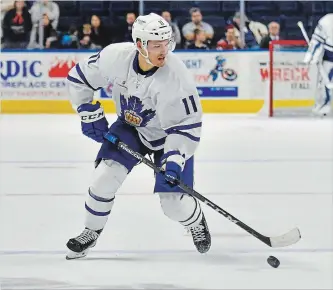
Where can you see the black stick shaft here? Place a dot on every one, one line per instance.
(189, 190)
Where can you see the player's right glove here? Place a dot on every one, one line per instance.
(172, 174)
(93, 122)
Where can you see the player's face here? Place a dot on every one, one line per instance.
(157, 51)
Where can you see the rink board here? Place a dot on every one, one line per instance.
(227, 81)
(209, 106)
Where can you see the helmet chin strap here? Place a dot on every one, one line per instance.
(146, 57)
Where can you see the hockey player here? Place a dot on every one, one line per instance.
(159, 113)
(320, 52)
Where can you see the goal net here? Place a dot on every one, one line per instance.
(292, 85)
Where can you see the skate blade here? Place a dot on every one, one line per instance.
(73, 255)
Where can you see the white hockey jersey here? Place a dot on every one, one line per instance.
(162, 105)
(321, 44)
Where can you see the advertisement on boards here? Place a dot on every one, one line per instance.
(292, 79)
(36, 75)
(106, 93)
(215, 74)
(218, 75)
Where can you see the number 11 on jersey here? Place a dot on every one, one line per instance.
(187, 108)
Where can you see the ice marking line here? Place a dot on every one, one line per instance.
(162, 252)
(119, 194)
(258, 160)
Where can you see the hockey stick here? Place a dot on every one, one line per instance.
(322, 72)
(287, 239)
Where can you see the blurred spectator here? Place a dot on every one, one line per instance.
(69, 40)
(175, 29)
(5, 6)
(196, 23)
(94, 35)
(123, 33)
(99, 36)
(85, 43)
(41, 7)
(49, 35)
(230, 42)
(274, 34)
(253, 31)
(86, 29)
(17, 26)
(199, 40)
(84, 36)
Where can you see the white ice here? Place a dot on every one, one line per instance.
(274, 174)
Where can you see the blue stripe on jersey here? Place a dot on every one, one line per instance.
(98, 213)
(327, 91)
(74, 80)
(170, 153)
(319, 38)
(327, 98)
(316, 47)
(327, 46)
(188, 135)
(101, 199)
(92, 60)
(80, 73)
(183, 127)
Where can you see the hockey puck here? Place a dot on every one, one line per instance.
(272, 261)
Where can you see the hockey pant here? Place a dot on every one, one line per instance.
(112, 168)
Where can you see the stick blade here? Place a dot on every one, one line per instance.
(287, 239)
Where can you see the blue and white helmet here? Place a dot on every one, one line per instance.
(152, 27)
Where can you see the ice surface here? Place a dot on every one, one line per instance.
(274, 174)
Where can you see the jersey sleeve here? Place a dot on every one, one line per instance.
(317, 43)
(88, 76)
(180, 114)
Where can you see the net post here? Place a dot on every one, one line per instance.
(278, 46)
(271, 61)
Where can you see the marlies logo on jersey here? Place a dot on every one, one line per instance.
(132, 118)
(132, 111)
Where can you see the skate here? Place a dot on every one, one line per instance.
(80, 245)
(321, 111)
(324, 110)
(201, 236)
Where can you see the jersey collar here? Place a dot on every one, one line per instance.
(138, 70)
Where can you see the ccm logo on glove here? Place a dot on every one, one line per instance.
(93, 122)
(95, 116)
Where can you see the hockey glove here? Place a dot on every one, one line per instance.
(172, 174)
(93, 122)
